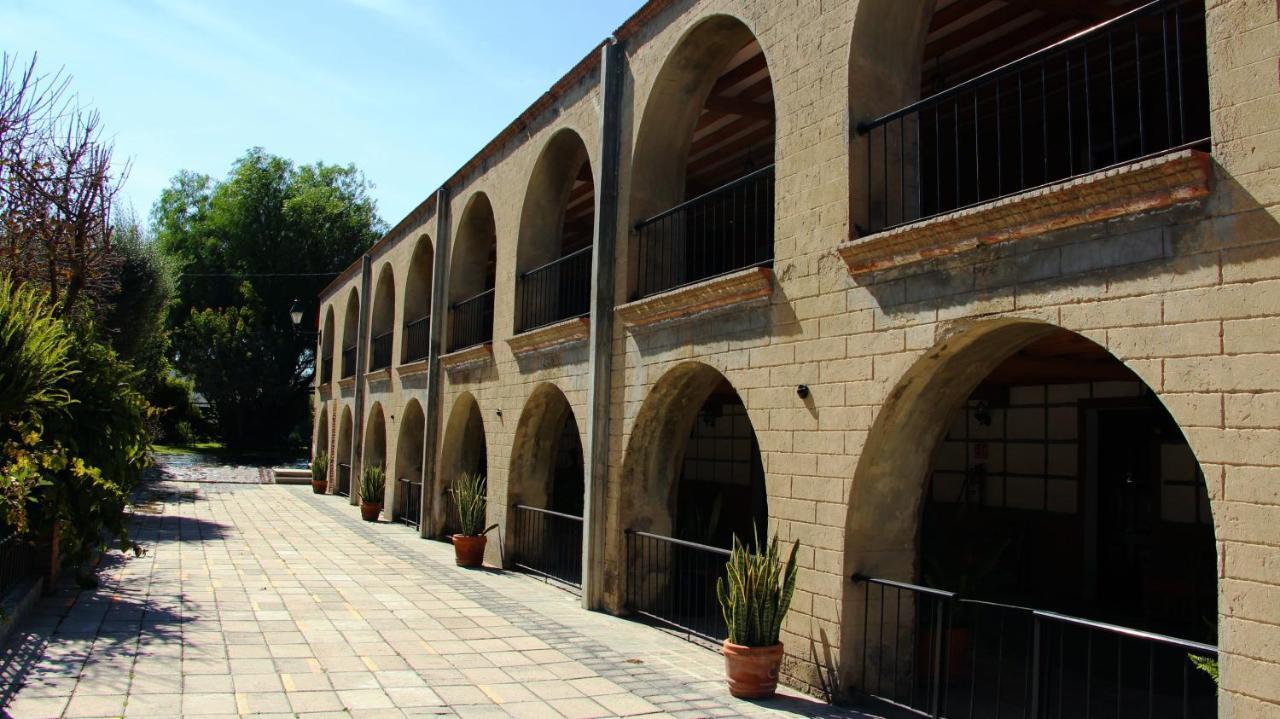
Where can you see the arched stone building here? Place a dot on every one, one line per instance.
(961, 295)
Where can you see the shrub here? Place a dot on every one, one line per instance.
(320, 467)
(469, 501)
(373, 482)
(756, 592)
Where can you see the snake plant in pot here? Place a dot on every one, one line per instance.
(373, 481)
(320, 473)
(754, 595)
(469, 501)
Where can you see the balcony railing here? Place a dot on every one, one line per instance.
(17, 560)
(349, 361)
(1132, 87)
(673, 582)
(326, 369)
(547, 543)
(471, 321)
(555, 291)
(380, 351)
(417, 336)
(344, 480)
(408, 509)
(943, 655)
(729, 228)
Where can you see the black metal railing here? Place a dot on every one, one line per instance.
(380, 351)
(943, 655)
(673, 581)
(471, 321)
(547, 543)
(417, 337)
(449, 519)
(326, 369)
(344, 480)
(555, 291)
(349, 361)
(1132, 87)
(729, 228)
(408, 509)
(17, 561)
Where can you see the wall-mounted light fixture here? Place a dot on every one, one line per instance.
(802, 391)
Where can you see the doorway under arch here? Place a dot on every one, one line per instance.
(472, 276)
(346, 429)
(546, 489)
(1025, 508)
(464, 450)
(382, 321)
(350, 334)
(327, 342)
(375, 449)
(417, 302)
(320, 442)
(693, 484)
(406, 493)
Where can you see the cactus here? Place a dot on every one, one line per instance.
(373, 481)
(469, 500)
(320, 467)
(755, 593)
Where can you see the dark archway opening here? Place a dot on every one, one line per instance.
(407, 492)
(375, 450)
(472, 275)
(326, 348)
(465, 451)
(417, 302)
(350, 334)
(382, 322)
(343, 460)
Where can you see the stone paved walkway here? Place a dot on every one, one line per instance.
(266, 600)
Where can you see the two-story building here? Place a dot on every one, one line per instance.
(976, 300)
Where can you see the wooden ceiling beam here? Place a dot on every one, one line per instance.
(996, 22)
(740, 107)
(1091, 11)
(744, 70)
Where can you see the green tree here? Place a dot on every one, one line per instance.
(248, 246)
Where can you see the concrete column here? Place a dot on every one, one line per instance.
(600, 347)
(362, 356)
(427, 524)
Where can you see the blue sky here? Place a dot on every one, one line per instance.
(407, 90)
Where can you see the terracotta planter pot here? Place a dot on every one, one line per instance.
(469, 551)
(320, 486)
(752, 671)
(369, 511)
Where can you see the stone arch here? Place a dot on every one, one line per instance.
(320, 442)
(473, 272)
(383, 319)
(343, 459)
(375, 441)
(417, 301)
(556, 220)
(350, 334)
(464, 449)
(656, 450)
(408, 467)
(327, 342)
(708, 119)
(886, 517)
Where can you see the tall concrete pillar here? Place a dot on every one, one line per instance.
(362, 356)
(427, 514)
(600, 347)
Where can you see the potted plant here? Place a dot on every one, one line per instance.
(469, 502)
(373, 480)
(320, 473)
(755, 594)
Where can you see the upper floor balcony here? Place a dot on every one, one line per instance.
(1101, 121)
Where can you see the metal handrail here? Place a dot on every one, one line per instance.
(706, 195)
(472, 298)
(550, 512)
(680, 542)
(1187, 644)
(903, 585)
(1028, 59)
(557, 260)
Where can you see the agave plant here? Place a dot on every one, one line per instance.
(469, 501)
(373, 480)
(755, 593)
(320, 467)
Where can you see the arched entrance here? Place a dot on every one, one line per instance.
(702, 182)
(375, 446)
(350, 334)
(1025, 510)
(472, 273)
(320, 442)
(464, 450)
(382, 321)
(343, 458)
(693, 482)
(407, 491)
(326, 348)
(417, 302)
(557, 223)
(546, 489)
